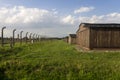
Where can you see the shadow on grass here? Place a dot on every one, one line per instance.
(2, 75)
(4, 54)
(10, 50)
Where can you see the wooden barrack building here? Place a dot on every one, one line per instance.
(72, 39)
(92, 36)
(65, 39)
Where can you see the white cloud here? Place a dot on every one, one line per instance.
(108, 18)
(55, 11)
(83, 9)
(35, 20)
(115, 14)
(20, 14)
(68, 19)
(47, 22)
(95, 19)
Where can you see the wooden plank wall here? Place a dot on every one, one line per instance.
(71, 40)
(105, 37)
(83, 38)
(65, 39)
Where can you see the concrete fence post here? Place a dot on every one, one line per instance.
(36, 38)
(2, 37)
(39, 38)
(26, 37)
(17, 37)
(30, 37)
(21, 37)
(33, 38)
(13, 40)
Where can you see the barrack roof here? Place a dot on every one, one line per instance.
(73, 35)
(100, 24)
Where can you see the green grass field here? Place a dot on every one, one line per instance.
(57, 60)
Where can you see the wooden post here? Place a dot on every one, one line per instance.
(2, 38)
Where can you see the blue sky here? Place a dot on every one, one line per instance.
(102, 6)
(48, 17)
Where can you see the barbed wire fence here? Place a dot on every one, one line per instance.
(20, 39)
